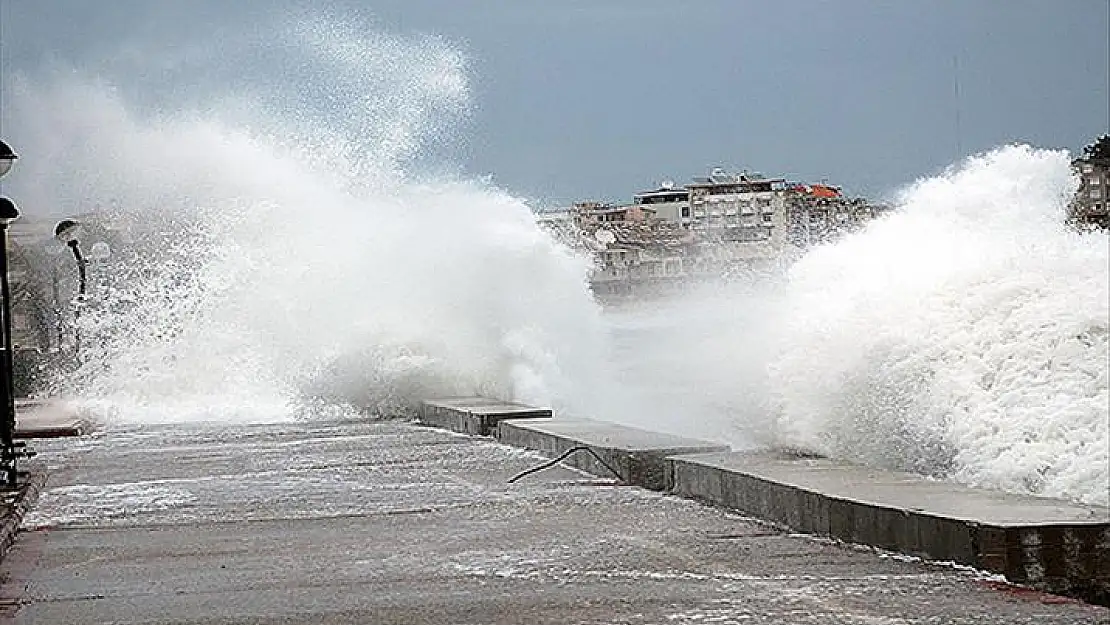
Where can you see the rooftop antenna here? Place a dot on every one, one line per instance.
(956, 92)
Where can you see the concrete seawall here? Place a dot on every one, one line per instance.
(1048, 544)
(637, 457)
(475, 415)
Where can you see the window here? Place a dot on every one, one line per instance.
(1096, 194)
(1094, 181)
(685, 211)
(768, 218)
(1088, 168)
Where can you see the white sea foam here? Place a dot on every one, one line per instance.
(270, 259)
(964, 336)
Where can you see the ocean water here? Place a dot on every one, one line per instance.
(284, 249)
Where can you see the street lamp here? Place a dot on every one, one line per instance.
(100, 251)
(67, 231)
(8, 452)
(7, 158)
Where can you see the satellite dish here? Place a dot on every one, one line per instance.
(605, 237)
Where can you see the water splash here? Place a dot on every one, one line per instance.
(279, 252)
(964, 336)
(276, 253)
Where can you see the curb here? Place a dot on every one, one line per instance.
(25, 496)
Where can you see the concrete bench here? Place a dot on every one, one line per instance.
(48, 419)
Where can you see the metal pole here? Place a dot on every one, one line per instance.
(82, 285)
(58, 315)
(7, 384)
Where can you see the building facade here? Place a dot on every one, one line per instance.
(718, 225)
(667, 202)
(1091, 206)
(817, 214)
(742, 215)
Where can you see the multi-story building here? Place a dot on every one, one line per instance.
(743, 214)
(667, 202)
(715, 226)
(1091, 205)
(632, 255)
(820, 213)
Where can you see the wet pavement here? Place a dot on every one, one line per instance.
(395, 523)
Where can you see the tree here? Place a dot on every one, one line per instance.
(1100, 149)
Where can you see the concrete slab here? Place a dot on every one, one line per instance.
(638, 456)
(1050, 544)
(387, 523)
(475, 415)
(49, 418)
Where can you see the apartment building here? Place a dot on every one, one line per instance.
(743, 214)
(667, 203)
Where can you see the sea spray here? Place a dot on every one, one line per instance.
(694, 363)
(275, 255)
(278, 251)
(964, 336)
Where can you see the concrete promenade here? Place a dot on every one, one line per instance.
(396, 523)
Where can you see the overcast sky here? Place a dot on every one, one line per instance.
(577, 99)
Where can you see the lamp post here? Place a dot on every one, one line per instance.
(7, 158)
(67, 231)
(8, 452)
